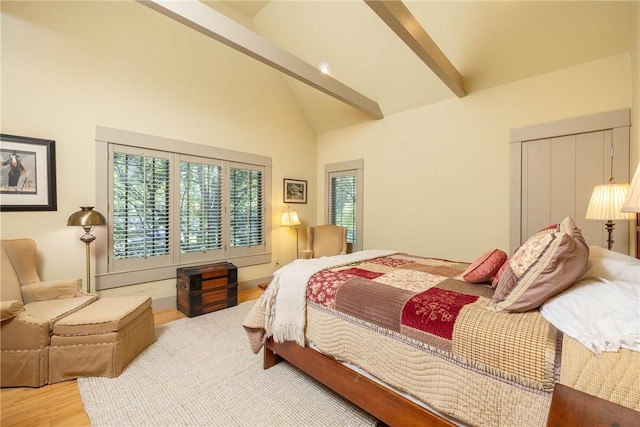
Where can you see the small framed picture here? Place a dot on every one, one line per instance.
(27, 174)
(295, 191)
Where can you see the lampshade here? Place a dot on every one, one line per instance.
(606, 202)
(86, 217)
(632, 202)
(289, 218)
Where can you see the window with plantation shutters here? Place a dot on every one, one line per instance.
(246, 207)
(141, 206)
(201, 206)
(344, 199)
(343, 204)
(167, 209)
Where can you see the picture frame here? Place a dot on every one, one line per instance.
(295, 191)
(27, 174)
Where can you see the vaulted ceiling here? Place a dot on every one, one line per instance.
(490, 43)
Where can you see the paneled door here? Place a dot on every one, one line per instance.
(555, 168)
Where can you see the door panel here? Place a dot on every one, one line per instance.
(562, 178)
(590, 172)
(537, 192)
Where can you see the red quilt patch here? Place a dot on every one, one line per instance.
(323, 285)
(435, 311)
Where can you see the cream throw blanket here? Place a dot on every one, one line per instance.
(284, 301)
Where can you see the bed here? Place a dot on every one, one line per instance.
(426, 341)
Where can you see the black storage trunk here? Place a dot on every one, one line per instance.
(206, 288)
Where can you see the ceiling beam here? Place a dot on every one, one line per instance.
(213, 24)
(396, 15)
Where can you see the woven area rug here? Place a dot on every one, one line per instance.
(201, 372)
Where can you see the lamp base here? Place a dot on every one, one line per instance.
(610, 226)
(88, 267)
(87, 237)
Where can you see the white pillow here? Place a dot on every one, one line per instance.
(612, 265)
(602, 309)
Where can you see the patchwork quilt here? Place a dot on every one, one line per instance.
(414, 323)
(424, 303)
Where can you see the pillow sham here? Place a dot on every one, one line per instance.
(550, 229)
(485, 266)
(545, 265)
(612, 265)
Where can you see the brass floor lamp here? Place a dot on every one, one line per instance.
(87, 218)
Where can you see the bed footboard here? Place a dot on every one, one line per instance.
(384, 404)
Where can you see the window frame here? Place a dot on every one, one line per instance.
(351, 168)
(106, 276)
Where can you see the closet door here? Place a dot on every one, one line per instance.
(555, 167)
(559, 175)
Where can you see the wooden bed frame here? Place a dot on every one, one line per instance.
(384, 404)
(568, 406)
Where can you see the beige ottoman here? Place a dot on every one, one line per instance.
(100, 339)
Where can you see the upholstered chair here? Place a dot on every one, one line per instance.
(29, 308)
(326, 240)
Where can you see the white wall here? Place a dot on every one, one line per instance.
(437, 177)
(68, 67)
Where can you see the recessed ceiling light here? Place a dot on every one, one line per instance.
(324, 67)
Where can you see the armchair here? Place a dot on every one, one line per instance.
(29, 307)
(326, 240)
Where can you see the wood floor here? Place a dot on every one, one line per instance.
(60, 405)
